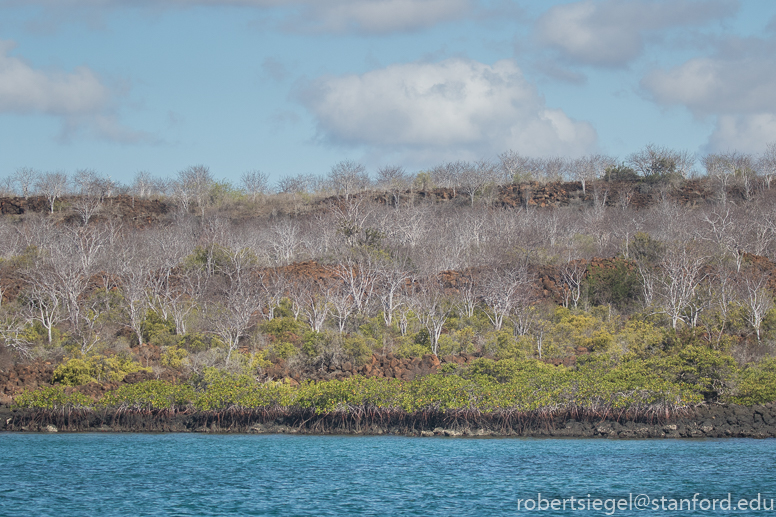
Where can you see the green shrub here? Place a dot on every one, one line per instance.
(411, 346)
(284, 329)
(359, 349)
(756, 384)
(83, 370)
(282, 350)
(504, 345)
(619, 285)
(74, 372)
(173, 357)
(157, 330)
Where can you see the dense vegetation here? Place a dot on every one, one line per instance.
(640, 286)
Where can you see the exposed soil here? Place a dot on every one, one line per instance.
(637, 195)
(140, 212)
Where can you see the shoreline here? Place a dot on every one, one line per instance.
(706, 421)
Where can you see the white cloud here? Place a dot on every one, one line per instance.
(363, 16)
(78, 98)
(382, 16)
(745, 133)
(612, 32)
(717, 85)
(26, 90)
(452, 108)
(737, 86)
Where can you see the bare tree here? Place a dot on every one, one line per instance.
(515, 168)
(660, 163)
(359, 272)
(757, 298)
(348, 177)
(681, 271)
(473, 178)
(274, 285)
(255, 183)
(239, 298)
(13, 333)
(391, 279)
(44, 297)
(724, 232)
(52, 185)
(553, 169)
(134, 267)
(143, 185)
(572, 273)
(727, 168)
(284, 241)
(589, 168)
(26, 179)
(342, 305)
(724, 300)
(448, 175)
(395, 180)
(172, 287)
(468, 294)
(313, 300)
(766, 164)
(501, 290)
(193, 185)
(432, 308)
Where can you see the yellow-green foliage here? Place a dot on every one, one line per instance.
(359, 348)
(149, 395)
(74, 372)
(225, 390)
(282, 350)
(83, 370)
(638, 338)
(577, 329)
(457, 341)
(757, 384)
(173, 357)
(485, 386)
(411, 346)
(703, 369)
(284, 329)
(51, 398)
(158, 331)
(504, 345)
(250, 364)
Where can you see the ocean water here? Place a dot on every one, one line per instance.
(191, 474)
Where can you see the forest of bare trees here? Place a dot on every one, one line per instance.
(431, 262)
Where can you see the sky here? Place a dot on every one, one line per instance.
(292, 87)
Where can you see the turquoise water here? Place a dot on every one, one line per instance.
(185, 474)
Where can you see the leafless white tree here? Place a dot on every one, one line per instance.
(394, 180)
(52, 185)
(677, 280)
(348, 177)
(25, 179)
(757, 298)
(572, 274)
(432, 308)
(255, 183)
(502, 290)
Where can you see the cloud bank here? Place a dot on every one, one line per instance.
(611, 33)
(737, 86)
(26, 90)
(336, 16)
(79, 99)
(454, 108)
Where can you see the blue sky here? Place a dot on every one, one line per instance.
(294, 86)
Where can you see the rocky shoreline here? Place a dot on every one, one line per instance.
(707, 421)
